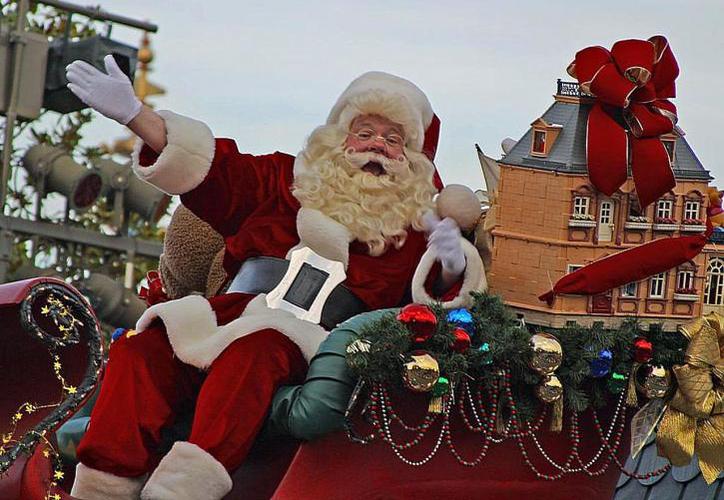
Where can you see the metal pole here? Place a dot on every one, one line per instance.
(99, 14)
(7, 239)
(12, 112)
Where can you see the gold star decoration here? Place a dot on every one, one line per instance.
(29, 408)
(61, 315)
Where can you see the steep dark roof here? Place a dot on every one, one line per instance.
(568, 154)
(680, 483)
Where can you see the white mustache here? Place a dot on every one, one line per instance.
(397, 166)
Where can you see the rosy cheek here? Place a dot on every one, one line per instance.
(353, 143)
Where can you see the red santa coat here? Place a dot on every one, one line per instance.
(248, 200)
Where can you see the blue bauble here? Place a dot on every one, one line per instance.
(117, 333)
(602, 365)
(463, 319)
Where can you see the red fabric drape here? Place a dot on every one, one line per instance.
(630, 265)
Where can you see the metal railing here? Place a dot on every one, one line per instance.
(571, 89)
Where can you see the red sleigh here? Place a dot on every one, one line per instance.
(51, 354)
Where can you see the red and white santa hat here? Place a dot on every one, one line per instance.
(394, 98)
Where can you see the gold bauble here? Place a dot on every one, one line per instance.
(550, 389)
(547, 353)
(421, 373)
(654, 382)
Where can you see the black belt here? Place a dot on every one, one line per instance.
(262, 274)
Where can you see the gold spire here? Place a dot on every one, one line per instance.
(142, 86)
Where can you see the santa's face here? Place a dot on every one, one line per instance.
(375, 144)
(377, 204)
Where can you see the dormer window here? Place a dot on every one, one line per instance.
(670, 145)
(539, 141)
(544, 135)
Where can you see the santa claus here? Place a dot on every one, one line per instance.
(310, 241)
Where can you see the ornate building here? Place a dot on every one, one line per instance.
(549, 220)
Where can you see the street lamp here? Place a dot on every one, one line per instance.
(112, 302)
(53, 170)
(129, 193)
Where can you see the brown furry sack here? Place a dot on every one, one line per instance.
(192, 256)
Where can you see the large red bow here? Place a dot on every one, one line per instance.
(155, 293)
(631, 83)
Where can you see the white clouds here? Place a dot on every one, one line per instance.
(266, 73)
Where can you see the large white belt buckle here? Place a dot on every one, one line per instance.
(307, 284)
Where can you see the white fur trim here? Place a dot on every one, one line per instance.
(198, 340)
(388, 95)
(185, 161)
(324, 235)
(92, 484)
(187, 473)
(473, 278)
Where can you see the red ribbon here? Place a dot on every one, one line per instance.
(632, 83)
(630, 265)
(155, 293)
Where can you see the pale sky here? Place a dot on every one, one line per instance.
(267, 73)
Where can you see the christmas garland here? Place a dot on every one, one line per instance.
(426, 348)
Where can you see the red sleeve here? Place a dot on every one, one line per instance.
(449, 294)
(232, 188)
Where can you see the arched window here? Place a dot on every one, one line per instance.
(714, 294)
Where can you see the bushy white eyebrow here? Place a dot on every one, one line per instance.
(393, 129)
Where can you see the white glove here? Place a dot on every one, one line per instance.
(110, 94)
(444, 240)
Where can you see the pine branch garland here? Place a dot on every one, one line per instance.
(508, 346)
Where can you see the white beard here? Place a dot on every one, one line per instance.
(377, 210)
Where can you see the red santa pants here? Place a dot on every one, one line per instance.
(145, 386)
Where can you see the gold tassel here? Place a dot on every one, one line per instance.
(557, 416)
(500, 421)
(435, 405)
(631, 396)
(499, 418)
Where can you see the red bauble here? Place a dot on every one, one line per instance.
(462, 340)
(155, 293)
(420, 320)
(642, 350)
